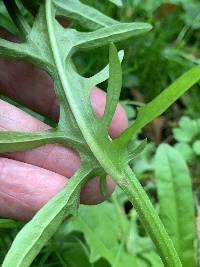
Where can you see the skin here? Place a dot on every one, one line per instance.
(29, 179)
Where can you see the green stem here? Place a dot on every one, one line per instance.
(101, 149)
(149, 218)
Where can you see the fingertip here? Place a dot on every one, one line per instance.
(91, 193)
(119, 121)
(26, 188)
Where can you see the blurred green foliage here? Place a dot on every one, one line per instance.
(151, 63)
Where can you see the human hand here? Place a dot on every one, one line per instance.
(29, 179)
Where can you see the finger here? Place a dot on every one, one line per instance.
(119, 121)
(91, 193)
(21, 87)
(56, 158)
(43, 100)
(18, 80)
(98, 101)
(25, 188)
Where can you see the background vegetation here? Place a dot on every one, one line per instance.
(151, 63)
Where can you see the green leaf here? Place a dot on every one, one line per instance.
(104, 243)
(129, 108)
(152, 259)
(103, 75)
(186, 151)
(196, 147)
(101, 242)
(160, 103)
(187, 130)
(5, 20)
(176, 202)
(117, 2)
(135, 151)
(19, 141)
(144, 163)
(18, 18)
(51, 47)
(39, 230)
(113, 33)
(86, 15)
(10, 50)
(7, 223)
(130, 184)
(114, 86)
(75, 252)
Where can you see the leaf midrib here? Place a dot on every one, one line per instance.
(175, 189)
(86, 130)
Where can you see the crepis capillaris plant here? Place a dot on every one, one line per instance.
(50, 47)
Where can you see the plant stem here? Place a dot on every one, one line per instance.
(149, 218)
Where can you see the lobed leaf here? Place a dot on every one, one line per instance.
(39, 230)
(134, 151)
(86, 15)
(50, 46)
(19, 141)
(113, 33)
(114, 86)
(103, 75)
(11, 50)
